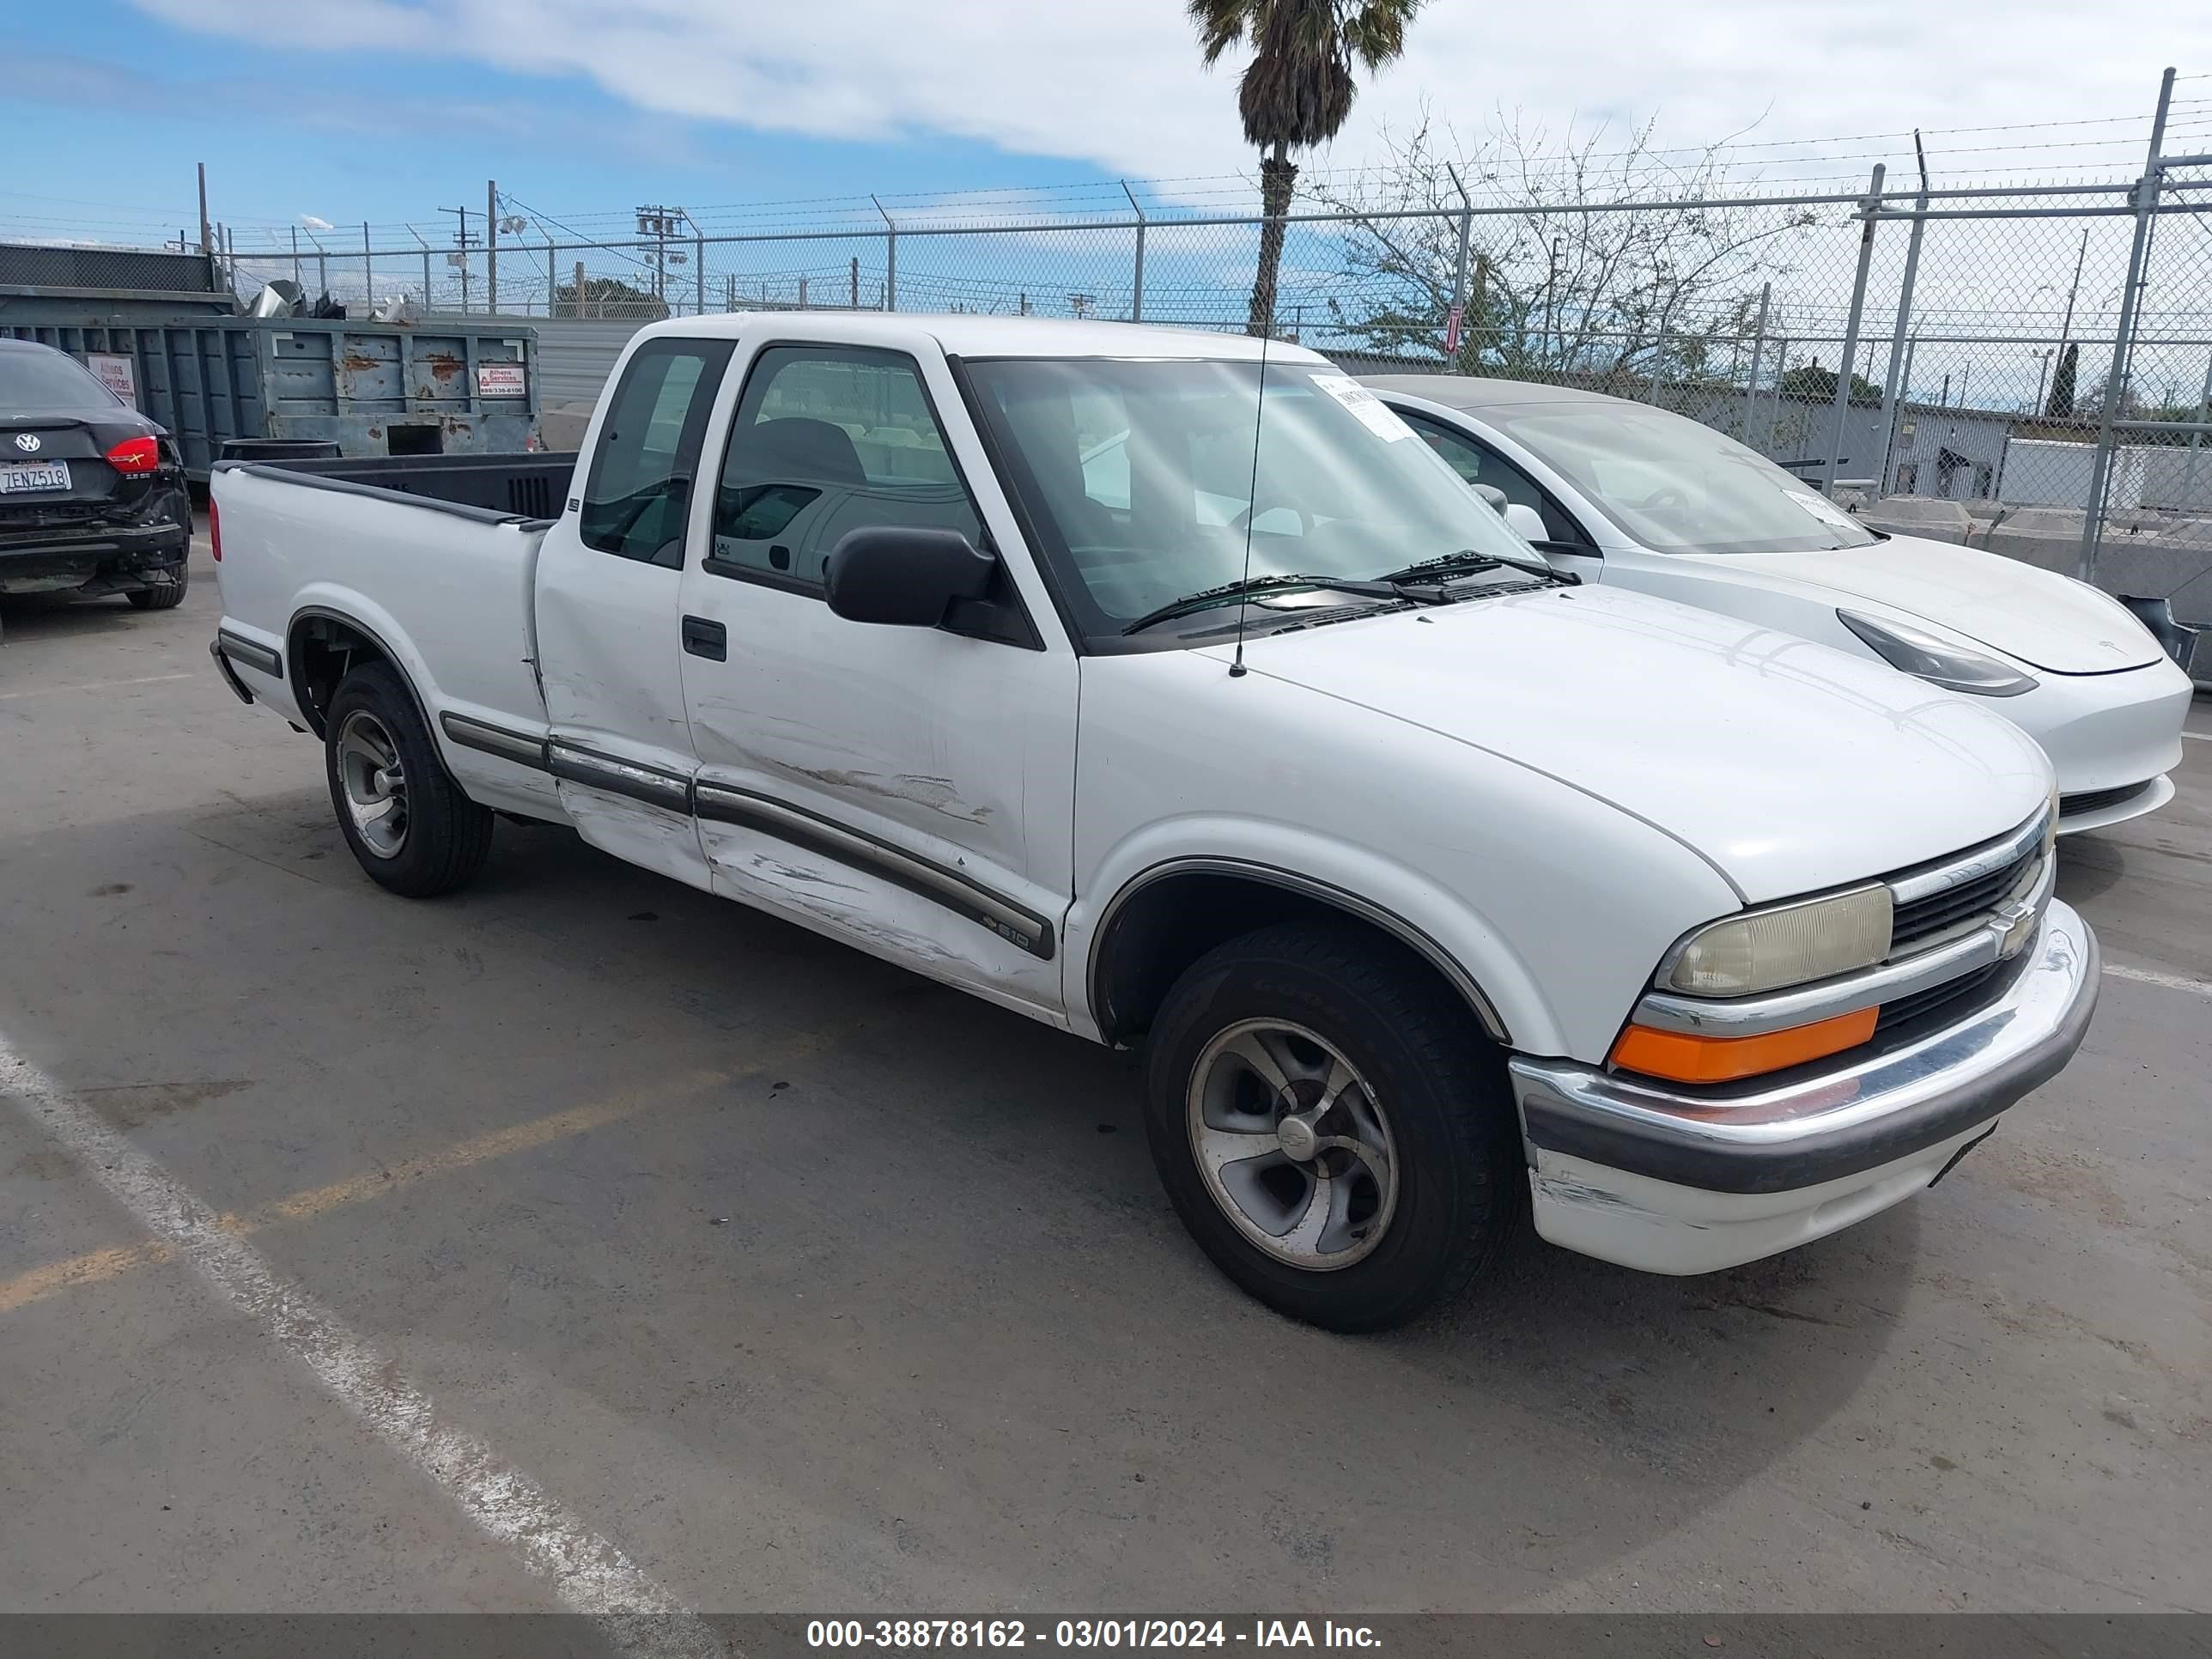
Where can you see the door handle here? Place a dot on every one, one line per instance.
(706, 639)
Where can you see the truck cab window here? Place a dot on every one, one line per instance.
(828, 440)
(639, 490)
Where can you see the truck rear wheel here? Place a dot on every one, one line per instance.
(404, 817)
(1330, 1129)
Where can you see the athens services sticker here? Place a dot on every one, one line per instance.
(1369, 410)
(501, 380)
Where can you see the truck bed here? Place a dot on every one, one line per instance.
(445, 586)
(528, 486)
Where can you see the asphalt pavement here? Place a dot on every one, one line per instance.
(584, 1237)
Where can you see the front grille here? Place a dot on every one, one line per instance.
(1924, 919)
(1902, 1011)
(2096, 801)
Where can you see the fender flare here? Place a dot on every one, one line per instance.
(294, 657)
(1329, 893)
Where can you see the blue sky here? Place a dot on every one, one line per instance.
(386, 110)
(386, 137)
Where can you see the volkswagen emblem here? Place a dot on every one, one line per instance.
(27, 442)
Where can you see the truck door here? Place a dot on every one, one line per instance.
(907, 789)
(608, 644)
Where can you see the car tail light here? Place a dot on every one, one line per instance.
(214, 531)
(135, 455)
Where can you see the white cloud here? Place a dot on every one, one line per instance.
(1120, 87)
(309, 221)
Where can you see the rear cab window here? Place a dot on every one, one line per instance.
(828, 440)
(639, 493)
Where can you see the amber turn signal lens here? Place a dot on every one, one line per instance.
(1684, 1059)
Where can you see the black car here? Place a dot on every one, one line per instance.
(93, 498)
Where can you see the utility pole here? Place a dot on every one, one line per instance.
(491, 246)
(2066, 328)
(660, 224)
(461, 258)
(204, 248)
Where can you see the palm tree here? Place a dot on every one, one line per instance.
(1296, 92)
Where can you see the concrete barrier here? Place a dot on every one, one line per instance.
(1918, 515)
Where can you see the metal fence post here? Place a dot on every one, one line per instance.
(1889, 381)
(2195, 438)
(1870, 211)
(2100, 467)
(552, 279)
(1137, 289)
(1457, 319)
(1758, 350)
(890, 258)
(295, 256)
(417, 236)
(1774, 402)
(367, 269)
(699, 269)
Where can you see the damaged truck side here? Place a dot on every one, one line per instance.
(1161, 687)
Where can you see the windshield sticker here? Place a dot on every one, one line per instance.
(1823, 509)
(1369, 410)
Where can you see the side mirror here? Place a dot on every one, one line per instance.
(1525, 521)
(1492, 496)
(903, 576)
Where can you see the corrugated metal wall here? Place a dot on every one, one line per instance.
(575, 355)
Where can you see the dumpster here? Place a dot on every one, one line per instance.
(370, 388)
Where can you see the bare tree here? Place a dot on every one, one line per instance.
(1566, 281)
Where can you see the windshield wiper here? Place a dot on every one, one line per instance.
(1380, 589)
(1465, 563)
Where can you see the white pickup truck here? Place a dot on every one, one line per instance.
(1171, 692)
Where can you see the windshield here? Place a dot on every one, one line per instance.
(1677, 487)
(1141, 477)
(46, 382)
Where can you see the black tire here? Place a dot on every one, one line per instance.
(445, 836)
(1436, 1082)
(170, 593)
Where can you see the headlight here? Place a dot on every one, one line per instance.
(1789, 945)
(1940, 661)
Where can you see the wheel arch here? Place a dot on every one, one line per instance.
(321, 644)
(1168, 916)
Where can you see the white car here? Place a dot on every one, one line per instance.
(1636, 497)
(959, 639)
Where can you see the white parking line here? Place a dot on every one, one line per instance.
(2199, 737)
(587, 1573)
(94, 685)
(2171, 982)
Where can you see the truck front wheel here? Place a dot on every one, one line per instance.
(407, 821)
(1330, 1126)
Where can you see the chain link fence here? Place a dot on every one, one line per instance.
(2026, 368)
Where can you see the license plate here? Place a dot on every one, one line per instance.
(42, 474)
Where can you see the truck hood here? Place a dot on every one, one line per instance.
(1789, 766)
(2046, 620)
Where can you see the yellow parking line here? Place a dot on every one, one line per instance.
(100, 1265)
(42, 1282)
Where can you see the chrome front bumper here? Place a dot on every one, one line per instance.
(1819, 1130)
